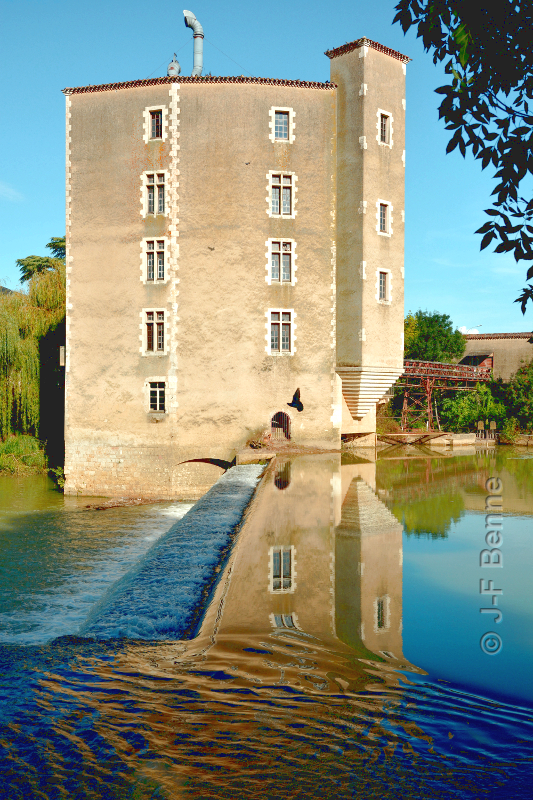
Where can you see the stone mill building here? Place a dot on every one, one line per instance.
(229, 241)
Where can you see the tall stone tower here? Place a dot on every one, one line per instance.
(227, 273)
(370, 82)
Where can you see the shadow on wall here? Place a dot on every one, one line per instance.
(52, 396)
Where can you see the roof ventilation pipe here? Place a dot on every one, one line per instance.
(173, 69)
(198, 33)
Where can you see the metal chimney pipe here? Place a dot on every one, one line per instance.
(198, 33)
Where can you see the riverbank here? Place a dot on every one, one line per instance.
(22, 454)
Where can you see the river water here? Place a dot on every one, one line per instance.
(353, 647)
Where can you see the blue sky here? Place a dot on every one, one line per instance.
(50, 44)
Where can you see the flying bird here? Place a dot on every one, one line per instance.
(296, 402)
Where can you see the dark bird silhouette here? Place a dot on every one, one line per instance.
(296, 402)
(210, 248)
(217, 462)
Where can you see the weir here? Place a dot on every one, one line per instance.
(166, 594)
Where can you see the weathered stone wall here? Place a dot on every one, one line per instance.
(509, 354)
(222, 386)
(370, 172)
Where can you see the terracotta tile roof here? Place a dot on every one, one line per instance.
(109, 87)
(364, 42)
(498, 335)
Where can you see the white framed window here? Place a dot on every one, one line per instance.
(153, 193)
(282, 571)
(281, 124)
(384, 128)
(154, 260)
(384, 286)
(281, 331)
(154, 335)
(155, 123)
(281, 261)
(281, 194)
(384, 217)
(156, 395)
(285, 621)
(382, 614)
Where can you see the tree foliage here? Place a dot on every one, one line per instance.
(465, 409)
(36, 265)
(486, 50)
(25, 318)
(519, 397)
(57, 245)
(431, 337)
(409, 331)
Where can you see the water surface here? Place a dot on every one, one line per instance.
(339, 657)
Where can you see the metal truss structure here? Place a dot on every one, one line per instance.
(421, 378)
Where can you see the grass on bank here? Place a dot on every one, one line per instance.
(21, 453)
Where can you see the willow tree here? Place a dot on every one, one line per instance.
(25, 317)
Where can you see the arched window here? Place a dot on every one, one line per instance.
(281, 426)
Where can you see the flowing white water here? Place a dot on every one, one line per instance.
(66, 561)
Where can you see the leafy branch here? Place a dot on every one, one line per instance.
(486, 50)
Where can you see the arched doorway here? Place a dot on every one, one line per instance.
(281, 426)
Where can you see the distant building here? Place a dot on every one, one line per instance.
(229, 241)
(504, 353)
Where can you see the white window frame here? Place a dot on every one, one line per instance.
(380, 203)
(292, 588)
(144, 336)
(144, 192)
(144, 260)
(281, 311)
(381, 112)
(294, 188)
(385, 599)
(294, 256)
(147, 123)
(272, 123)
(295, 623)
(388, 299)
(147, 382)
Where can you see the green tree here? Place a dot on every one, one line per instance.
(487, 54)
(462, 412)
(25, 319)
(431, 337)
(519, 397)
(58, 247)
(35, 265)
(409, 330)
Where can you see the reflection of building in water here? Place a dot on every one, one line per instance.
(280, 647)
(282, 477)
(368, 572)
(323, 556)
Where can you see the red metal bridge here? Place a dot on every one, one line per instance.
(420, 378)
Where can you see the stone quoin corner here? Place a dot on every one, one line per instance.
(229, 241)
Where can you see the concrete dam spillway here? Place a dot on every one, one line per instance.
(160, 598)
